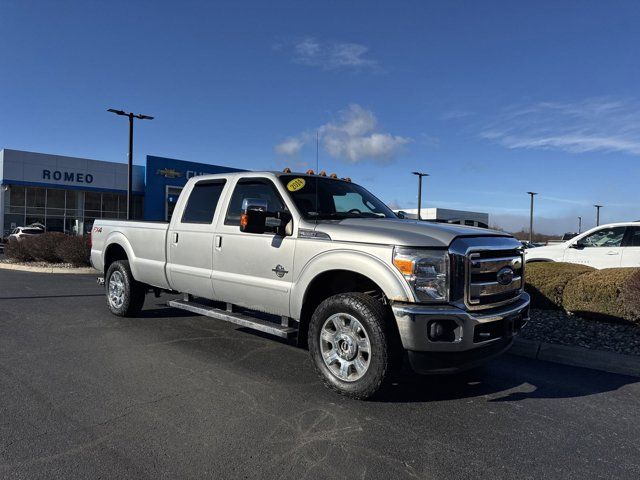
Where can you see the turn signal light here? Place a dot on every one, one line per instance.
(405, 266)
(244, 220)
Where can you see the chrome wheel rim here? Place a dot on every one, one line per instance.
(116, 289)
(345, 347)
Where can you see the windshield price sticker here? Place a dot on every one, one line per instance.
(296, 184)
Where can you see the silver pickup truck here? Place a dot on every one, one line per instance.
(322, 260)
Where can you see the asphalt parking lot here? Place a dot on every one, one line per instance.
(84, 394)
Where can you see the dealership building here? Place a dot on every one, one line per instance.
(66, 194)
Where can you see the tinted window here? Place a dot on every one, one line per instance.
(634, 237)
(607, 237)
(32, 231)
(202, 202)
(254, 188)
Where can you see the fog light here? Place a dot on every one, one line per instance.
(442, 331)
(436, 330)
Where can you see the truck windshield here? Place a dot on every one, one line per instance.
(325, 198)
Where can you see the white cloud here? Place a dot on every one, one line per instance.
(331, 55)
(290, 147)
(353, 137)
(592, 125)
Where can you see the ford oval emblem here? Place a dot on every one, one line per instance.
(505, 276)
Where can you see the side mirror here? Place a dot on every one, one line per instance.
(401, 214)
(253, 218)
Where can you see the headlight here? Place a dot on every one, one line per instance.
(426, 271)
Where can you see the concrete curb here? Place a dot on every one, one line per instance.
(28, 268)
(611, 362)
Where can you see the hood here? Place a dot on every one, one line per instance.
(397, 231)
(543, 252)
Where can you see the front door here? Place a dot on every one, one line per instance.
(190, 243)
(253, 270)
(600, 249)
(631, 248)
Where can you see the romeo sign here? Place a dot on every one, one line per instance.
(75, 177)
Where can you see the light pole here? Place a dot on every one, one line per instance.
(579, 224)
(531, 217)
(130, 163)
(420, 175)
(598, 207)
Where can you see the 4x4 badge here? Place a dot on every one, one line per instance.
(280, 271)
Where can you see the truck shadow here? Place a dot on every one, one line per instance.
(506, 379)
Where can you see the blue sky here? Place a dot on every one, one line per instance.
(491, 98)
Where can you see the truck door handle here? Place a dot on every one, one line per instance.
(175, 237)
(218, 241)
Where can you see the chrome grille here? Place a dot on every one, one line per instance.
(494, 277)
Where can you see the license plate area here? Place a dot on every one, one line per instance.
(505, 328)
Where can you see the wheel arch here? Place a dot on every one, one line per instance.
(118, 248)
(334, 272)
(539, 260)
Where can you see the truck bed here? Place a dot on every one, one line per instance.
(145, 245)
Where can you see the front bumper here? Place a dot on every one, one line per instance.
(477, 336)
(482, 332)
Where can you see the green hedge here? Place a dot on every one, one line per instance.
(612, 293)
(546, 282)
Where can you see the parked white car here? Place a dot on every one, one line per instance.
(606, 246)
(21, 232)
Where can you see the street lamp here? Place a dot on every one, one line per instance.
(598, 207)
(130, 163)
(579, 224)
(531, 217)
(420, 175)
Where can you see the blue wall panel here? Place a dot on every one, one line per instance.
(161, 172)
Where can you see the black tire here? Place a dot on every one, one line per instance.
(131, 300)
(373, 317)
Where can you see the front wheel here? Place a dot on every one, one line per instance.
(125, 296)
(349, 344)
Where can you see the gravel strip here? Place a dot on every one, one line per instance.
(37, 264)
(555, 326)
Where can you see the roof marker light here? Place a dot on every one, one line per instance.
(333, 175)
(310, 172)
(323, 173)
(286, 170)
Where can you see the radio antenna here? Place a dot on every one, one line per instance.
(317, 172)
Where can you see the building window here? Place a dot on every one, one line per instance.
(59, 210)
(92, 204)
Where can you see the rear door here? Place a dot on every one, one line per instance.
(190, 241)
(253, 270)
(631, 248)
(600, 249)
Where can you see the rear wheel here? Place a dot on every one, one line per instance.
(125, 296)
(349, 344)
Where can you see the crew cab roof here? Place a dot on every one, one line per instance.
(264, 173)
